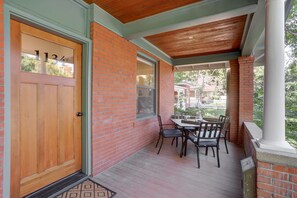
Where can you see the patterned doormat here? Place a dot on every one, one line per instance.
(87, 189)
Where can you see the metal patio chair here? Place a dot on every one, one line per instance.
(168, 133)
(208, 136)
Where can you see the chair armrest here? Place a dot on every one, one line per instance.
(211, 119)
(167, 126)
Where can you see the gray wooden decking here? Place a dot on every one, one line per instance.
(146, 174)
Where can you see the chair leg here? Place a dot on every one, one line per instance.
(172, 141)
(160, 146)
(213, 153)
(198, 161)
(206, 151)
(158, 141)
(186, 147)
(182, 150)
(218, 157)
(225, 139)
(176, 143)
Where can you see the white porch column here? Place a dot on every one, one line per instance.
(274, 80)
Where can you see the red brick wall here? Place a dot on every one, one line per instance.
(115, 132)
(272, 179)
(1, 96)
(233, 100)
(276, 180)
(246, 93)
(166, 91)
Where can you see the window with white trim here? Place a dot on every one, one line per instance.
(146, 87)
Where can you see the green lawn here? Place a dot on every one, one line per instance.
(291, 131)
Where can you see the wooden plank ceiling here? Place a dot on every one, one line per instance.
(216, 37)
(212, 38)
(131, 10)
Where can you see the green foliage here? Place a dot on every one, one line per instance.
(291, 31)
(30, 64)
(219, 76)
(205, 112)
(258, 95)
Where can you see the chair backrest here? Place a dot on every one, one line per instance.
(210, 131)
(222, 118)
(226, 121)
(160, 123)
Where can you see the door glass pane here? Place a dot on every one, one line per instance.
(44, 57)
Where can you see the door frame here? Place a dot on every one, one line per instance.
(14, 13)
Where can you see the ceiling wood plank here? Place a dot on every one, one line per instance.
(187, 16)
(212, 38)
(131, 10)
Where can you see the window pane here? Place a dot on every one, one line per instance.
(30, 63)
(145, 101)
(146, 88)
(44, 57)
(145, 73)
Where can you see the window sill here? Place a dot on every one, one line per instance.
(140, 118)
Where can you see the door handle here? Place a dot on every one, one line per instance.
(79, 114)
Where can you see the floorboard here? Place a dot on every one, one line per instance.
(146, 174)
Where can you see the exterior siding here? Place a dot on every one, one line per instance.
(116, 133)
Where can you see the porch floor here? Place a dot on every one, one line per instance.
(146, 174)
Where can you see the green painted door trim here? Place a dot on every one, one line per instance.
(14, 13)
(71, 15)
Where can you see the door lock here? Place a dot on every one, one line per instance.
(79, 114)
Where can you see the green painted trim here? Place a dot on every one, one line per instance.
(7, 105)
(207, 58)
(144, 44)
(87, 109)
(53, 12)
(34, 21)
(256, 37)
(187, 16)
(102, 17)
(147, 57)
(255, 30)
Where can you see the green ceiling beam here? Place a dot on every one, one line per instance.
(256, 28)
(144, 44)
(105, 19)
(207, 58)
(255, 36)
(187, 16)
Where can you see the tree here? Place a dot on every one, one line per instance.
(291, 32)
(258, 95)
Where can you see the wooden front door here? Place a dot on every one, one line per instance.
(46, 96)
